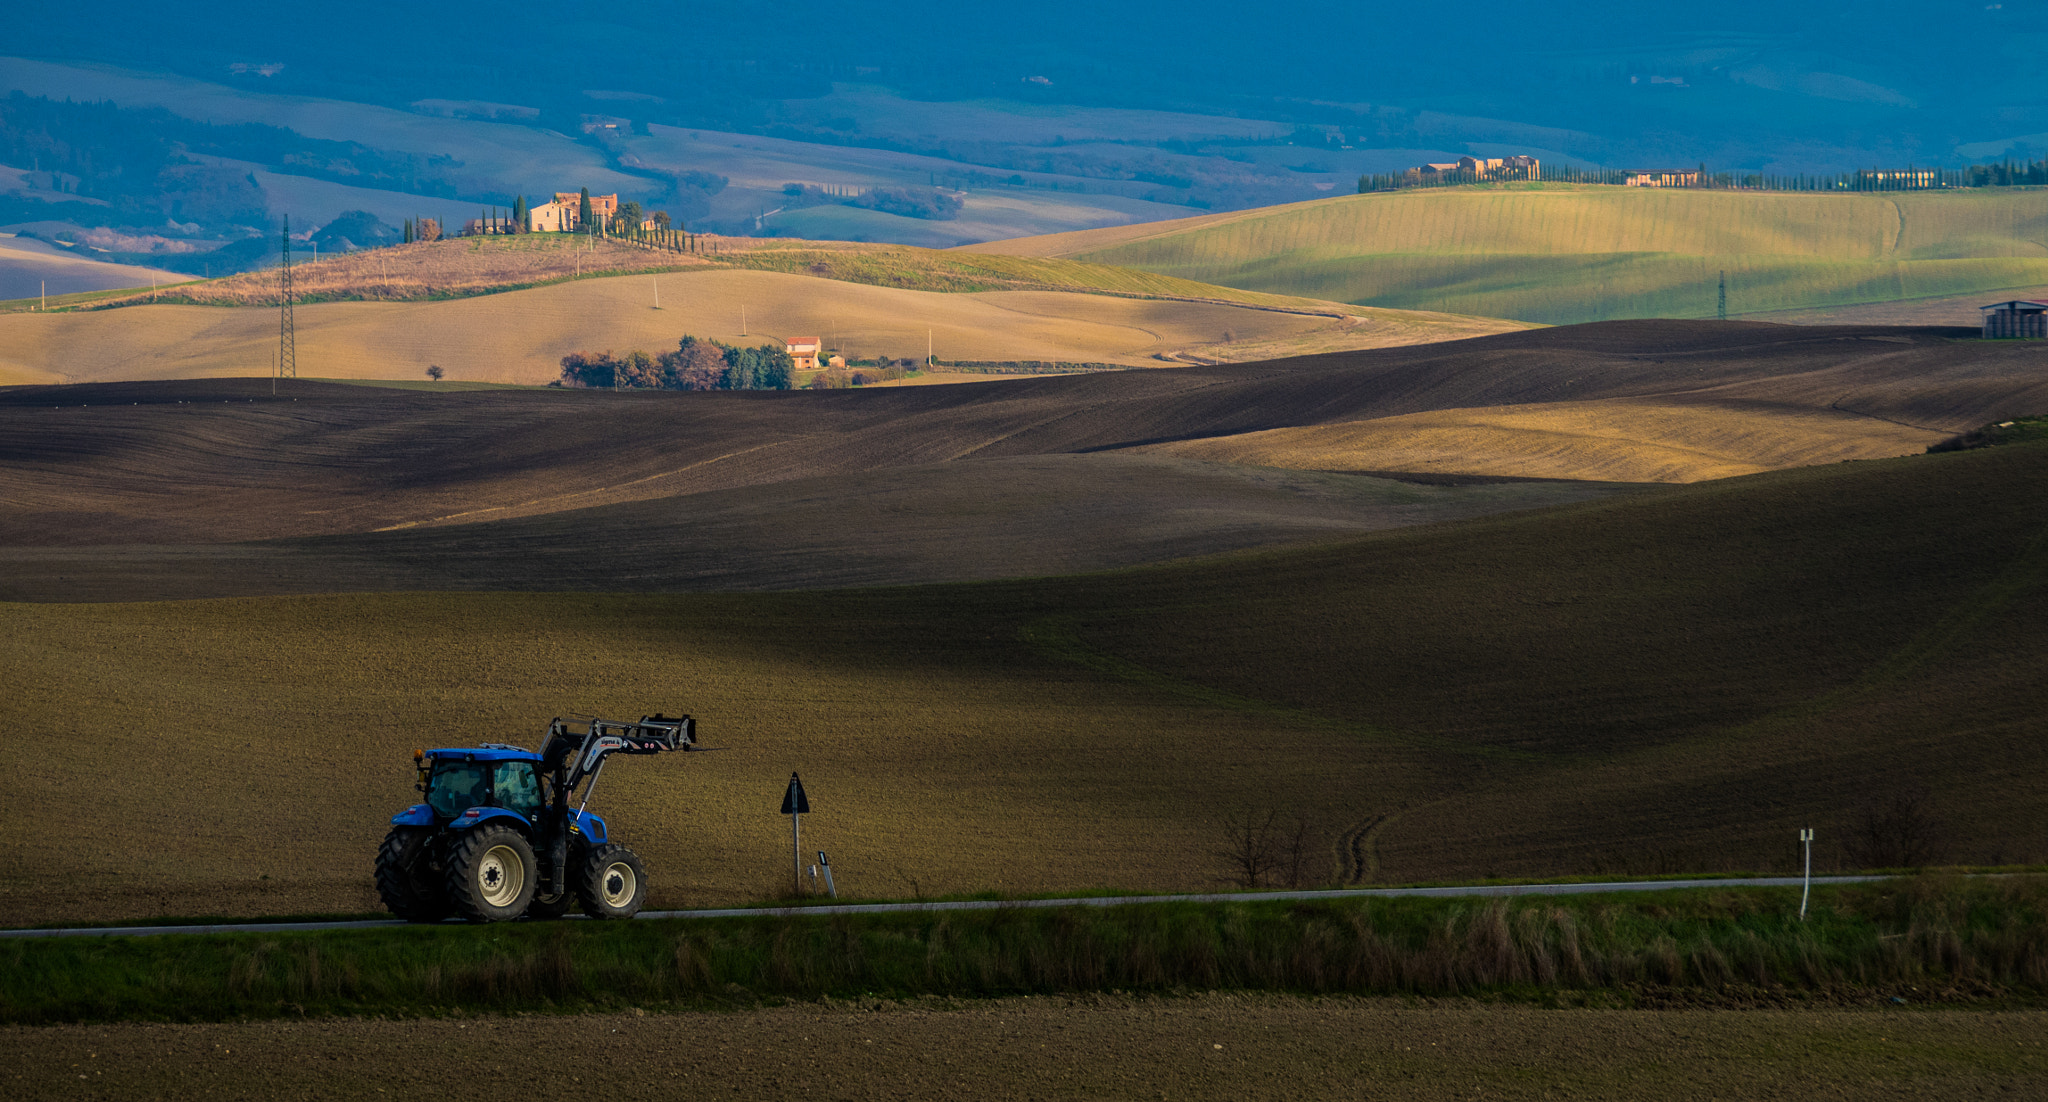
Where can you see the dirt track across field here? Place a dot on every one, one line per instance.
(1203, 1046)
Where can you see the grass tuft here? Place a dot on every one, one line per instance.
(1930, 938)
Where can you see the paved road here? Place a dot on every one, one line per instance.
(995, 904)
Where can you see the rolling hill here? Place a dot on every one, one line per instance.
(1634, 679)
(521, 336)
(506, 309)
(1558, 253)
(1660, 682)
(224, 460)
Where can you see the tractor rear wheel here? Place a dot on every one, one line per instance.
(409, 886)
(613, 884)
(491, 874)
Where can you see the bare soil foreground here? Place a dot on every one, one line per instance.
(1214, 1046)
(1670, 681)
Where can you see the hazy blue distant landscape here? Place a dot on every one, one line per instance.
(1032, 118)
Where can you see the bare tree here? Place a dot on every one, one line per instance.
(434, 372)
(1250, 847)
(1898, 831)
(1295, 846)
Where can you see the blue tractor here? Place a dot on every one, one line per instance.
(503, 833)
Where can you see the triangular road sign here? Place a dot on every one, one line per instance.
(793, 801)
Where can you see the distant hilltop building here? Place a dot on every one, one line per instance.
(1897, 180)
(2018, 318)
(565, 213)
(804, 350)
(602, 207)
(551, 218)
(1480, 168)
(1680, 177)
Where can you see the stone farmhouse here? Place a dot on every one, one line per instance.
(565, 213)
(1482, 168)
(804, 350)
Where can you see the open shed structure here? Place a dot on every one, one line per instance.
(2018, 318)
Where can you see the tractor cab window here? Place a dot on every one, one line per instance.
(457, 786)
(518, 787)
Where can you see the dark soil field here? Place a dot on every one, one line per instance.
(1094, 652)
(1673, 679)
(1035, 476)
(1214, 1046)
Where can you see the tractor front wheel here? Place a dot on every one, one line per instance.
(613, 884)
(409, 887)
(490, 874)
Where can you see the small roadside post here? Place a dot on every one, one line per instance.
(1806, 888)
(825, 863)
(794, 804)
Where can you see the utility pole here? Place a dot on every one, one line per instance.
(1806, 840)
(743, 321)
(287, 338)
(1724, 296)
(657, 291)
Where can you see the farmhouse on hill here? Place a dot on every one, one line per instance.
(550, 218)
(1683, 177)
(804, 350)
(1519, 167)
(602, 207)
(2018, 318)
(566, 212)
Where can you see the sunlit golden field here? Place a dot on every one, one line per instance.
(521, 336)
(1561, 253)
(1618, 440)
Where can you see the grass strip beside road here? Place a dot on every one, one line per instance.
(1932, 938)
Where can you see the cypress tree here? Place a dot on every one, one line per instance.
(583, 210)
(520, 215)
(408, 231)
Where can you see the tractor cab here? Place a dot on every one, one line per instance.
(457, 780)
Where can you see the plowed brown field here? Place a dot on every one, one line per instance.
(1215, 1047)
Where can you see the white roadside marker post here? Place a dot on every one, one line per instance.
(825, 863)
(1806, 888)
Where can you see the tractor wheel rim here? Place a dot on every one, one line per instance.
(500, 876)
(617, 884)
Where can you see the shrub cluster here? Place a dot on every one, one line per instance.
(696, 364)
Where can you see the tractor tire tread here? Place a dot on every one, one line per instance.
(590, 887)
(462, 890)
(405, 894)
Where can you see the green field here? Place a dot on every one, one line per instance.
(1558, 253)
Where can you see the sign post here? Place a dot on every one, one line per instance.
(794, 804)
(1806, 840)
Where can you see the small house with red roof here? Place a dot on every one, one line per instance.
(804, 350)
